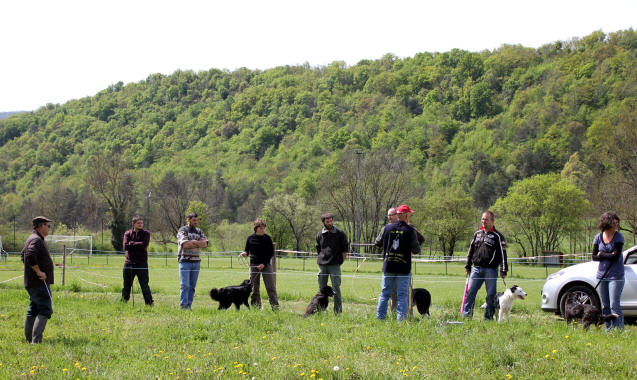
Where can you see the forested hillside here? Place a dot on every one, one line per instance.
(458, 124)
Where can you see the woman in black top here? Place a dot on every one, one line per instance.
(261, 250)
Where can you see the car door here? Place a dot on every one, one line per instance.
(629, 295)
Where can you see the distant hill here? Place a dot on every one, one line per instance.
(4, 115)
(476, 121)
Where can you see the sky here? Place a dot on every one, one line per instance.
(52, 51)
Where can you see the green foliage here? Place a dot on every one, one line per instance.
(540, 210)
(231, 140)
(447, 215)
(201, 210)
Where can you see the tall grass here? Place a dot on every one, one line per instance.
(93, 335)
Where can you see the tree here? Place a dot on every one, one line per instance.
(292, 211)
(384, 181)
(109, 175)
(448, 216)
(538, 211)
(173, 195)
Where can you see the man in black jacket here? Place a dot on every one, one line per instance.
(487, 252)
(399, 241)
(332, 247)
(38, 276)
(136, 242)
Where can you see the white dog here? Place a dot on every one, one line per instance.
(504, 301)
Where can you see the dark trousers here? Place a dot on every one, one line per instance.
(270, 285)
(40, 302)
(141, 271)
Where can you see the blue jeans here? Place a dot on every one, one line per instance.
(401, 281)
(611, 293)
(490, 278)
(334, 272)
(188, 275)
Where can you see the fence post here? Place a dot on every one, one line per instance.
(511, 268)
(107, 259)
(303, 263)
(230, 261)
(166, 258)
(208, 254)
(63, 263)
(446, 273)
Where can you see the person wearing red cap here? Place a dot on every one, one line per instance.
(38, 276)
(399, 241)
(487, 252)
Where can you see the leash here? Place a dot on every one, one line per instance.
(354, 275)
(48, 292)
(464, 296)
(505, 283)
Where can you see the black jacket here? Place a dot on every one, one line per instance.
(35, 252)
(330, 246)
(400, 240)
(260, 249)
(487, 250)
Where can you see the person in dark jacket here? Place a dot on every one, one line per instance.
(332, 247)
(38, 277)
(136, 242)
(399, 241)
(261, 250)
(487, 252)
(607, 249)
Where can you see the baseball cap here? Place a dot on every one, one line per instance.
(404, 209)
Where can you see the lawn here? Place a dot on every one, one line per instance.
(93, 335)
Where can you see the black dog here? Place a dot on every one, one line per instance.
(320, 301)
(586, 314)
(229, 295)
(422, 299)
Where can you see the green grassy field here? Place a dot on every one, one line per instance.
(93, 335)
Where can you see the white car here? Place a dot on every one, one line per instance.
(581, 279)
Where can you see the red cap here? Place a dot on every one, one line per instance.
(404, 209)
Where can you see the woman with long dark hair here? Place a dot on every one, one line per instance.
(607, 249)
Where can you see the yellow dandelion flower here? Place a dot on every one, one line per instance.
(155, 355)
(302, 374)
(263, 337)
(589, 344)
(414, 368)
(188, 369)
(369, 348)
(161, 351)
(32, 372)
(313, 375)
(322, 324)
(405, 375)
(210, 354)
(566, 337)
(546, 356)
(64, 369)
(554, 351)
(274, 358)
(190, 356)
(509, 376)
(83, 368)
(42, 366)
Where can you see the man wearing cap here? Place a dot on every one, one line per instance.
(487, 252)
(38, 276)
(399, 241)
(331, 247)
(135, 244)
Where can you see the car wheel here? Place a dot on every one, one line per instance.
(585, 295)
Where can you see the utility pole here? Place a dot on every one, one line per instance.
(147, 222)
(359, 153)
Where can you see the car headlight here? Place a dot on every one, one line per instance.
(554, 275)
